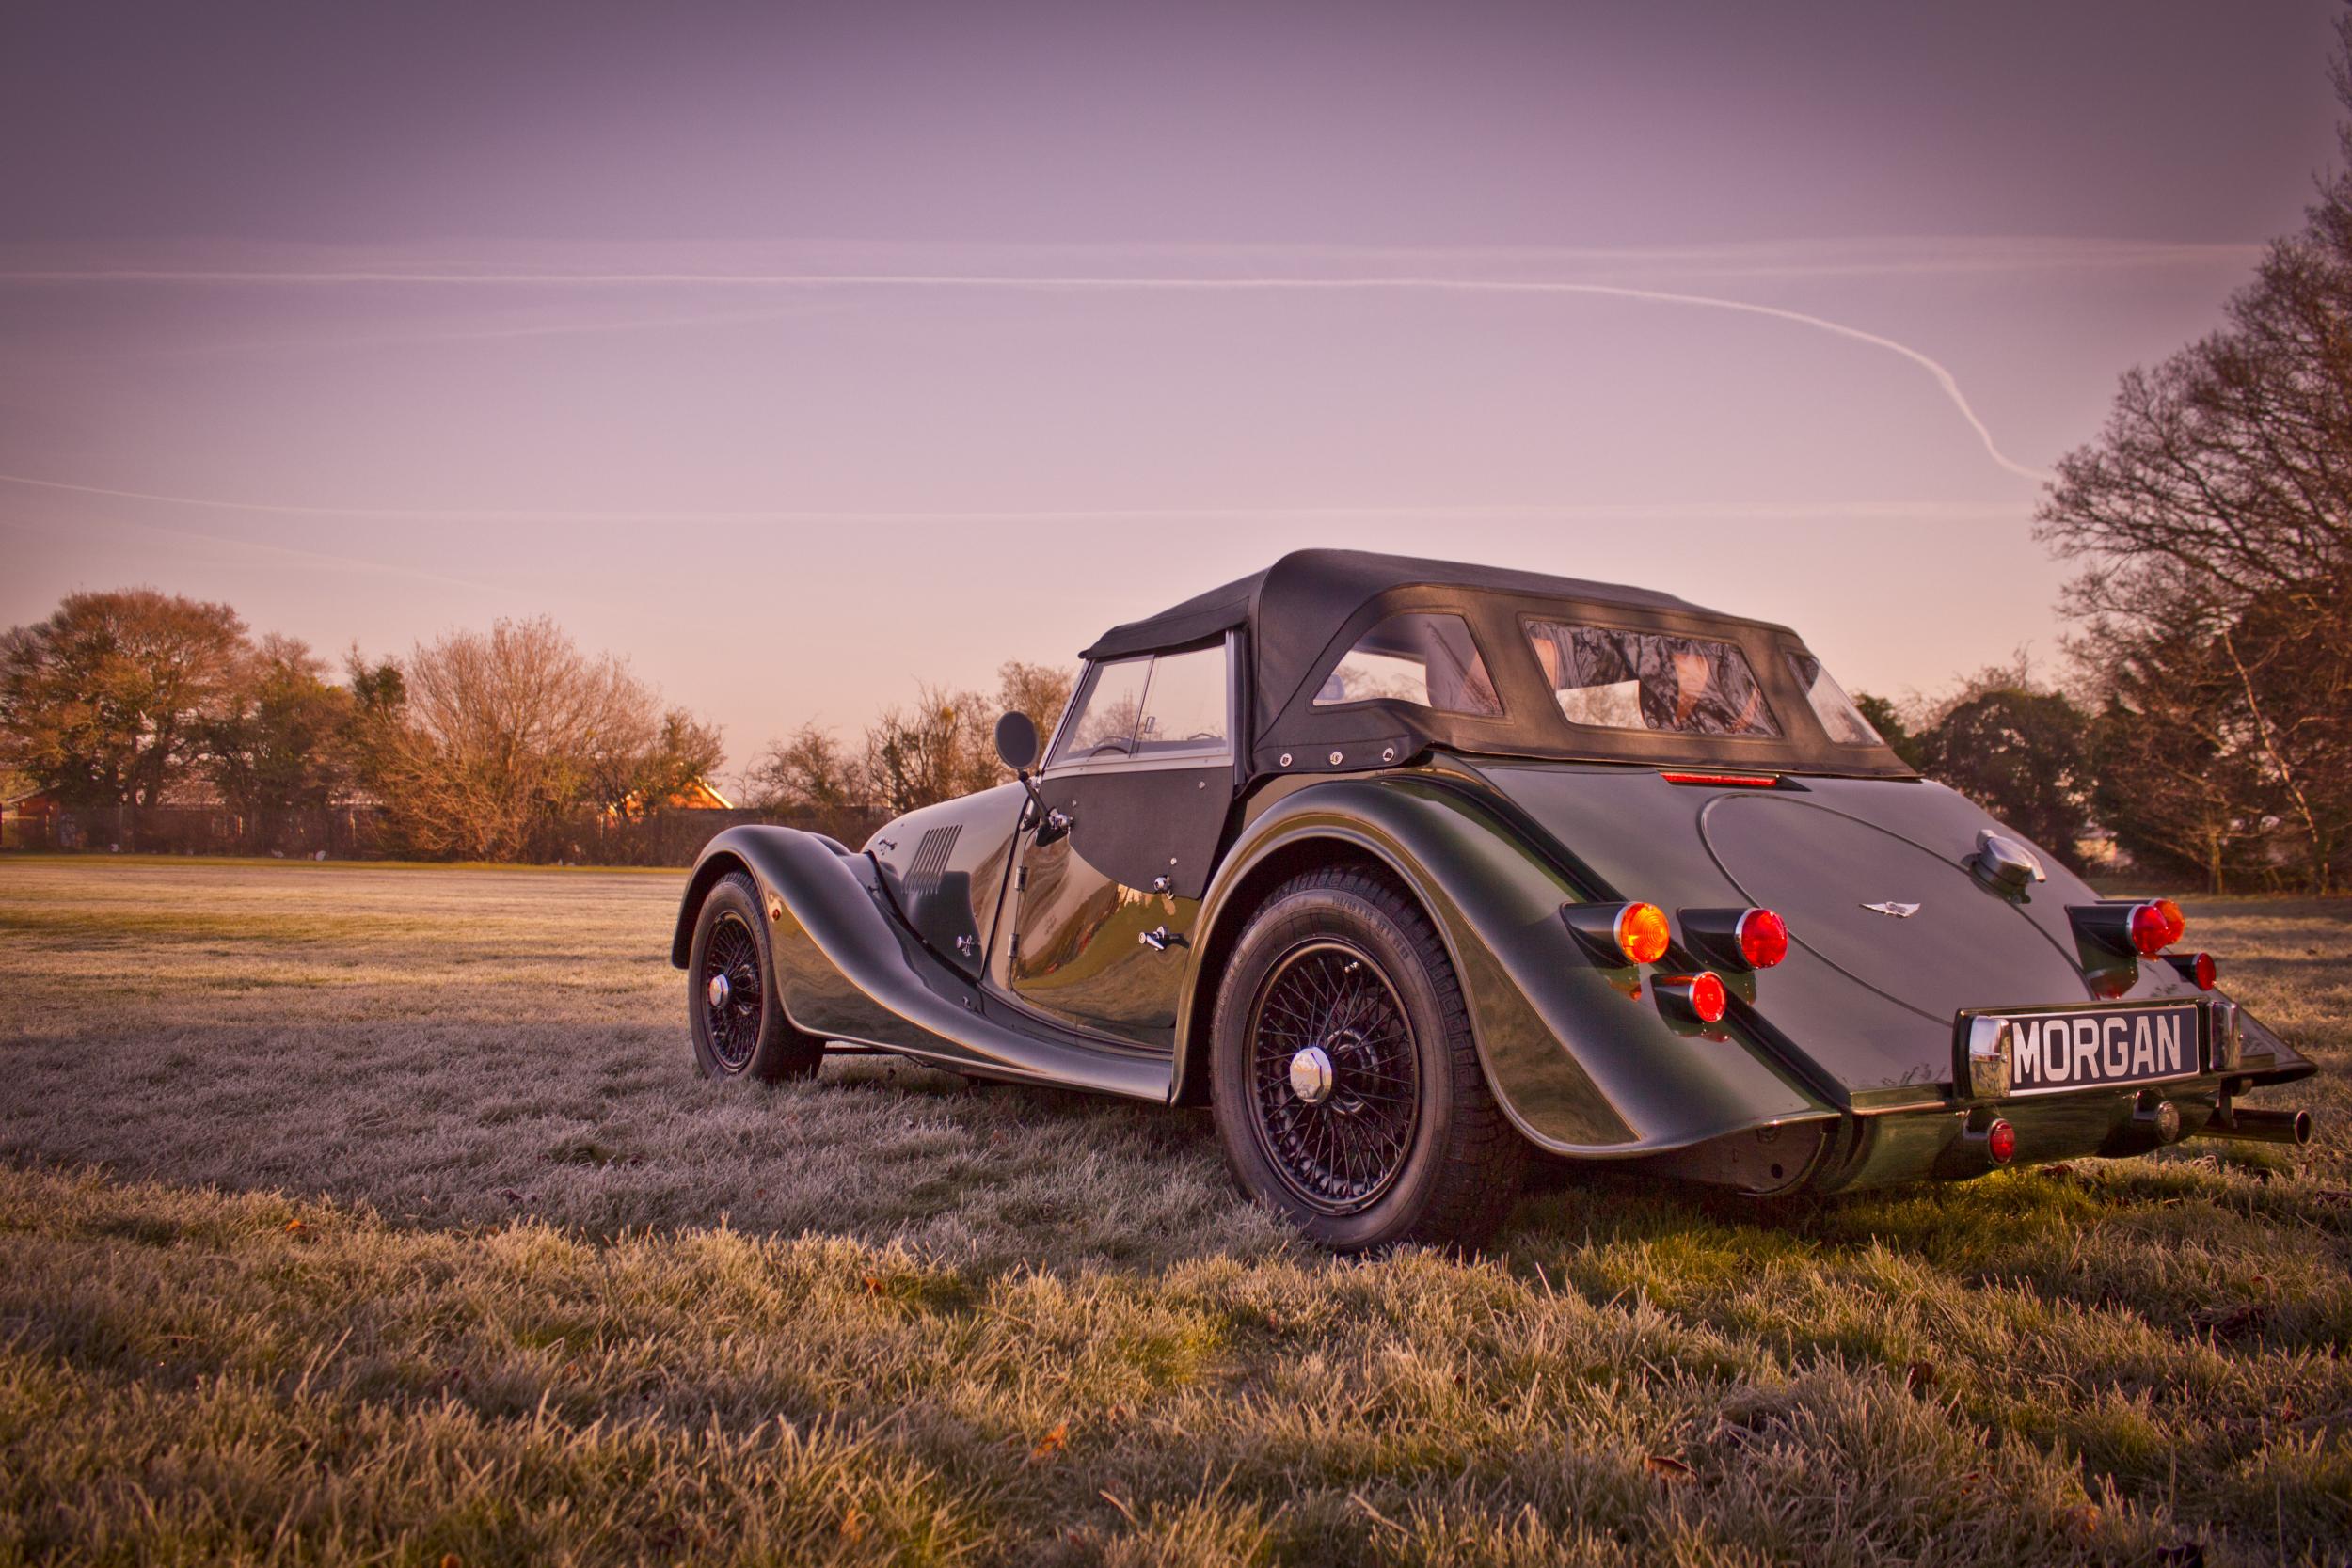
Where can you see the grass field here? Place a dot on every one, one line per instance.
(377, 1213)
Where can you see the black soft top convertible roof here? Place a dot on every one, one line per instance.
(1302, 613)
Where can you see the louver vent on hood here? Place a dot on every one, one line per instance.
(930, 859)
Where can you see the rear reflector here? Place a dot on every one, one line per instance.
(1731, 781)
(2001, 1142)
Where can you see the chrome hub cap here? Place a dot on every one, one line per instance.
(1310, 1075)
(718, 988)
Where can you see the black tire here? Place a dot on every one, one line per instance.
(1396, 1139)
(736, 1035)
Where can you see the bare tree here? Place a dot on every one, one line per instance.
(503, 734)
(810, 770)
(940, 746)
(1039, 691)
(2219, 498)
(105, 701)
(686, 751)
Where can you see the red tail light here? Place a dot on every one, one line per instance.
(1731, 781)
(2156, 926)
(1707, 997)
(1763, 938)
(2001, 1142)
(1698, 997)
(2196, 967)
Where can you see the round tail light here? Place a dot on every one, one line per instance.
(2200, 969)
(1707, 997)
(1763, 938)
(1695, 998)
(2156, 926)
(2001, 1142)
(1642, 934)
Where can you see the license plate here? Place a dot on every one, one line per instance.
(2093, 1047)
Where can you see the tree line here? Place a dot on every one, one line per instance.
(936, 748)
(480, 745)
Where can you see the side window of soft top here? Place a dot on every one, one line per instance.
(1430, 660)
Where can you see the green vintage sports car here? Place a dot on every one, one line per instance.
(1411, 870)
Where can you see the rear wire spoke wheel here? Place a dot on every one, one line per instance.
(732, 1009)
(1336, 1082)
(1348, 1093)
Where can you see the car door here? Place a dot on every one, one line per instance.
(1143, 768)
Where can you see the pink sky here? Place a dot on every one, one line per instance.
(800, 355)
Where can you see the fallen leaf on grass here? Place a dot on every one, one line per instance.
(1667, 1467)
(853, 1525)
(1052, 1442)
(295, 1225)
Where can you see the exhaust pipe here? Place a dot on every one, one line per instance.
(2261, 1127)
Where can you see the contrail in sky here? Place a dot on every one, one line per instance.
(1943, 377)
(1703, 512)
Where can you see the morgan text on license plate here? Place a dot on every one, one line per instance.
(2074, 1051)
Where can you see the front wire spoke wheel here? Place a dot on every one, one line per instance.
(1336, 1076)
(732, 998)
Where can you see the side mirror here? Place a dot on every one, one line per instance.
(1016, 742)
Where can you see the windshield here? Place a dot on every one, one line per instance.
(1617, 679)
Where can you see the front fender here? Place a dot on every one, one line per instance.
(1580, 1066)
(848, 969)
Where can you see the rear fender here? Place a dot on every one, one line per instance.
(1581, 1068)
